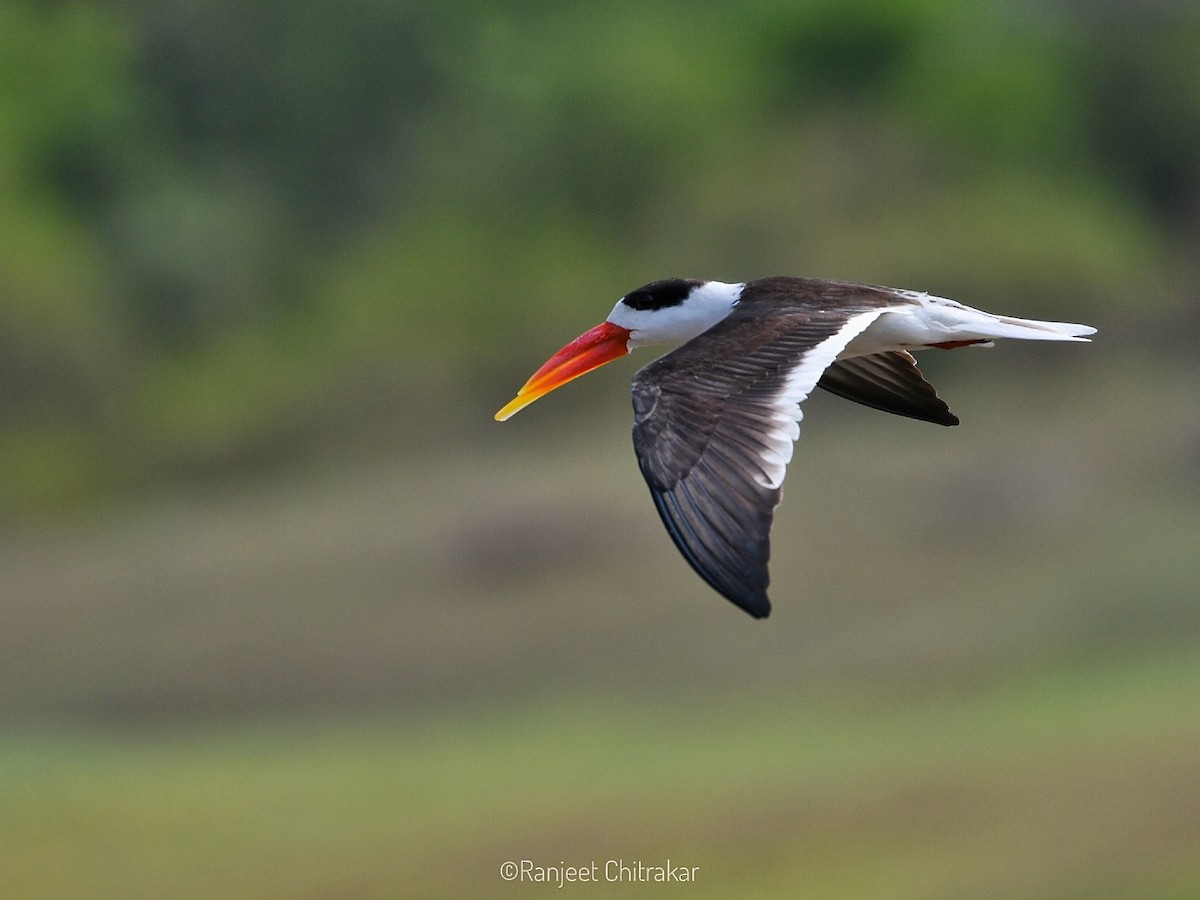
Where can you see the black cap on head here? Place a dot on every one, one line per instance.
(661, 294)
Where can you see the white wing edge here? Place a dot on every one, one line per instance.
(798, 384)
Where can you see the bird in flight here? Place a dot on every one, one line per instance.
(715, 418)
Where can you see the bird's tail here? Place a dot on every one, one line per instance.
(959, 323)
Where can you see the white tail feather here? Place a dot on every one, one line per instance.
(936, 320)
(1035, 330)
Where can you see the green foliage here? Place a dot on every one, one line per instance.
(63, 88)
(1135, 70)
(66, 88)
(220, 217)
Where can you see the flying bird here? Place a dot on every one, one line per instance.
(715, 418)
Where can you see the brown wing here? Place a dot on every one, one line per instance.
(890, 382)
(714, 423)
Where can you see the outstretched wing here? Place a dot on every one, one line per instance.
(714, 424)
(890, 382)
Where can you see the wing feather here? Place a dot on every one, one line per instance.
(890, 382)
(714, 424)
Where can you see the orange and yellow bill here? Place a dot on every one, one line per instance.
(590, 350)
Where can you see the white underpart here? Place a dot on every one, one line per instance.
(786, 411)
(935, 320)
(704, 307)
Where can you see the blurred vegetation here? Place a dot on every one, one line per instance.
(1015, 792)
(284, 613)
(232, 234)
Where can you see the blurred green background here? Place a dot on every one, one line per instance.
(284, 613)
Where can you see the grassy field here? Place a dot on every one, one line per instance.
(388, 680)
(1055, 784)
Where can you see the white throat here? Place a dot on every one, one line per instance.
(704, 307)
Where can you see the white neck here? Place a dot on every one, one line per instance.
(704, 307)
